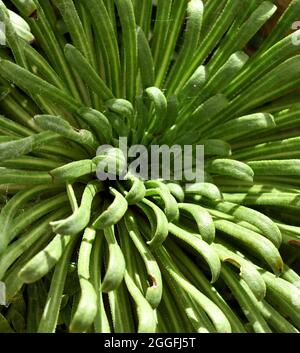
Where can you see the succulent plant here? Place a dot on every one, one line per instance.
(79, 254)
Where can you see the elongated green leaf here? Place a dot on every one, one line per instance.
(116, 264)
(60, 126)
(201, 247)
(20, 147)
(253, 241)
(145, 60)
(202, 218)
(36, 85)
(87, 307)
(158, 221)
(241, 126)
(231, 168)
(276, 167)
(191, 39)
(113, 213)
(154, 291)
(87, 72)
(81, 216)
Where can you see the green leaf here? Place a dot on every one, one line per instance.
(232, 168)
